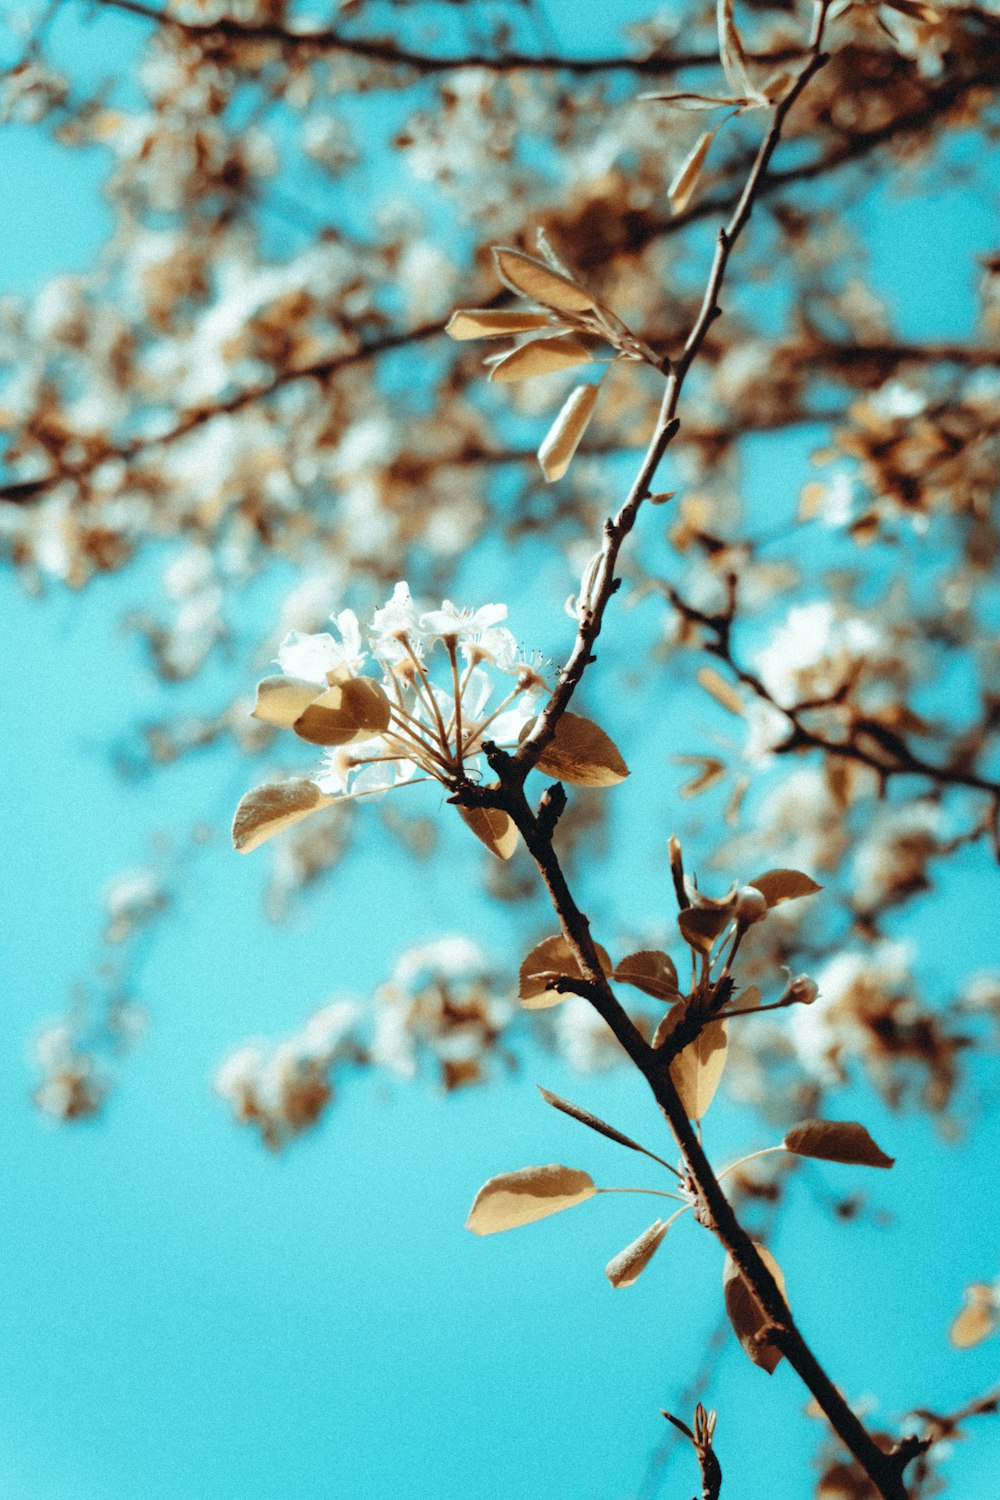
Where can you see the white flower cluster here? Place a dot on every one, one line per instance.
(432, 729)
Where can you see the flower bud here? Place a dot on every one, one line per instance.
(802, 990)
(751, 906)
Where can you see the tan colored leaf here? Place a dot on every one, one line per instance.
(551, 959)
(629, 1264)
(492, 827)
(701, 925)
(267, 810)
(351, 710)
(595, 1123)
(540, 357)
(696, 101)
(744, 1313)
(563, 437)
(534, 279)
(836, 1140)
(978, 1318)
(580, 753)
(784, 885)
(492, 323)
(522, 1197)
(722, 691)
(650, 971)
(731, 52)
(711, 773)
(281, 700)
(697, 1069)
(686, 180)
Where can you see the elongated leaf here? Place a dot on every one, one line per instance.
(696, 101)
(351, 710)
(493, 323)
(492, 827)
(595, 1123)
(744, 1313)
(522, 1197)
(282, 700)
(551, 959)
(697, 1069)
(563, 437)
(784, 885)
(978, 1318)
(650, 971)
(629, 1264)
(270, 809)
(722, 691)
(688, 172)
(540, 357)
(836, 1140)
(534, 279)
(580, 753)
(731, 52)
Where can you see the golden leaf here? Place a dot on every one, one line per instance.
(533, 278)
(697, 1069)
(269, 809)
(650, 971)
(629, 1264)
(978, 1318)
(492, 323)
(722, 691)
(836, 1140)
(523, 1197)
(492, 827)
(563, 437)
(701, 925)
(744, 1313)
(281, 700)
(540, 357)
(351, 710)
(551, 959)
(731, 52)
(580, 753)
(686, 179)
(784, 885)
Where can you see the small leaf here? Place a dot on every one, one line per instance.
(563, 437)
(351, 710)
(978, 1318)
(580, 753)
(696, 101)
(836, 1140)
(492, 323)
(586, 1118)
(784, 885)
(722, 691)
(732, 54)
(492, 827)
(744, 1313)
(650, 971)
(523, 1197)
(712, 771)
(697, 1069)
(540, 357)
(532, 278)
(551, 959)
(629, 1264)
(281, 700)
(267, 810)
(701, 925)
(688, 172)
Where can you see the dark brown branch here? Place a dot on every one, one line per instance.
(392, 54)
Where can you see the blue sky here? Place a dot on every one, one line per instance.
(187, 1316)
